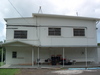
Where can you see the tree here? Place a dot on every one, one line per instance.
(1, 51)
(98, 44)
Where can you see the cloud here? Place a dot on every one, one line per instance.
(88, 8)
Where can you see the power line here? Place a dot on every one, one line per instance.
(18, 11)
(15, 8)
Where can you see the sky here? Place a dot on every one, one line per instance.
(85, 8)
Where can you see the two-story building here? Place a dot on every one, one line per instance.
(51, 40)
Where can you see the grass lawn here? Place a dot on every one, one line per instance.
(1, 63)
(9, 71)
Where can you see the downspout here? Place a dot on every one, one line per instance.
(86, 58)
(97, 22)
(38, 31)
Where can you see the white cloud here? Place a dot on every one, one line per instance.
(89, 8)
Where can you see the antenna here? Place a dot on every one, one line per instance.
(40, 10)
(77, 13)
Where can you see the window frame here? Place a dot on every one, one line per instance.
(79, 33)
(22, 34)
(14, 54)
(54, 31)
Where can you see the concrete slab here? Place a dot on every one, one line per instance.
(47, 66)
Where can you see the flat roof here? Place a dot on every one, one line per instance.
(55, 16)
(64, 16)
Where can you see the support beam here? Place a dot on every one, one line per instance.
(38, 56)
(32, 57)
(2, 57)
(63, 56)
(86, 56)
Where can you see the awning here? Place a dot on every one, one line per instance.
(17, 43)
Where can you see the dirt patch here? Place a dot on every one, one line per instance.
(50, 72)
(36, 72)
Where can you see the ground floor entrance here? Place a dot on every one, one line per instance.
(52, 56)
(23, 54)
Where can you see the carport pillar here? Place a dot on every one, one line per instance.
(32, 56)
(38, 57)
(63, 55)
(86, 56)
(2, 54)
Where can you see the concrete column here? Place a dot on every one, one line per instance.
(38, 56)
(32, 57)
(63, 56)
(96, 55)
(86, 56)
(2, 56)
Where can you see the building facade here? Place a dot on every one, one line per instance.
(33, 40)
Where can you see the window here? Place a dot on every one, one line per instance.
(54, 31)
(20, 34)
(79, 32)
(14, 54)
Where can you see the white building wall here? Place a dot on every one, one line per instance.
(24, 55)
(21, 21)
(39, 36)
(31, 35)
(66, 38)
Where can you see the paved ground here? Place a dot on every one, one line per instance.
(50, 72)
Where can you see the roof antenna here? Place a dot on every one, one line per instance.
(40, 10)
(77, 13)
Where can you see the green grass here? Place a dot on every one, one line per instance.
(1, 63)
(9, 71)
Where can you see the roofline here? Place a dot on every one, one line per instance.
(72, 46)
(54, 15)
(64, 16)
(17, 18)
(4, 44)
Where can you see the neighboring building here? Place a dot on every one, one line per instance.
(45, 35)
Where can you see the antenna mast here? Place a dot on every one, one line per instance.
(77, 13)
(40, 10)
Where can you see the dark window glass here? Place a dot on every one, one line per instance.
(54, 31)
(79, 32)
(20, 34)
(14, 54)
